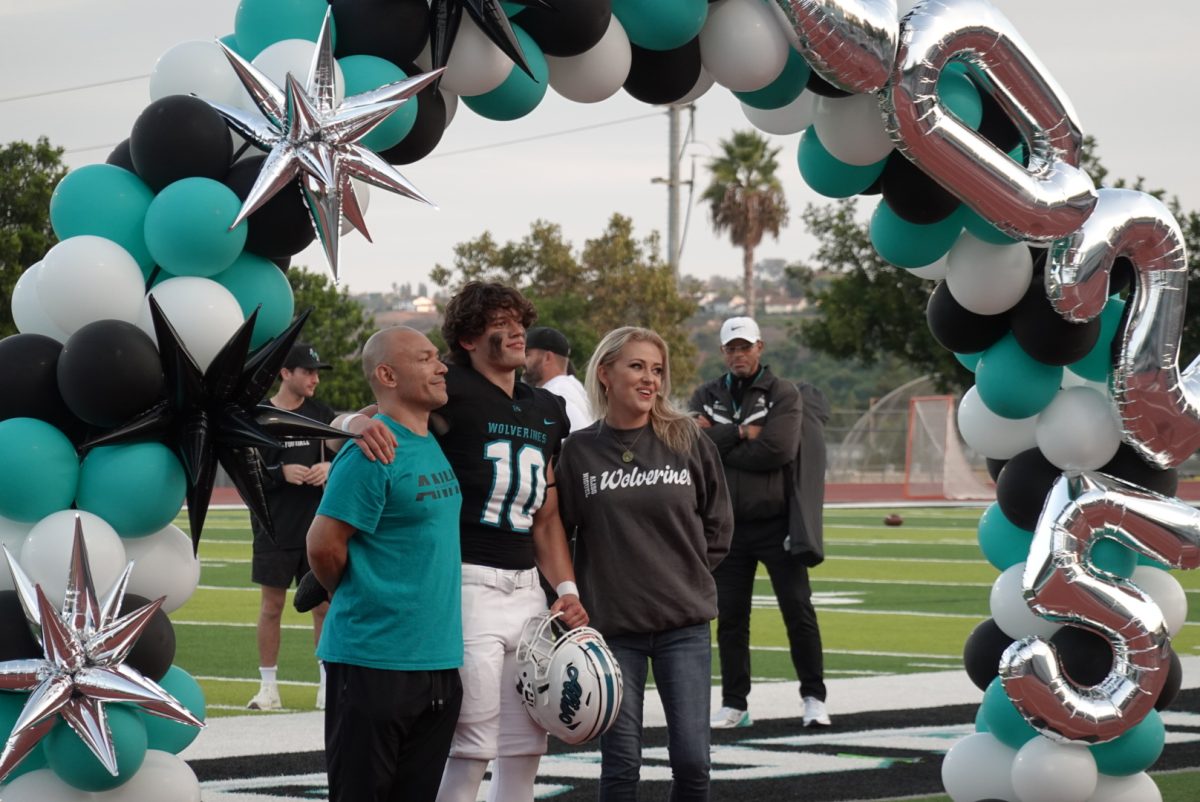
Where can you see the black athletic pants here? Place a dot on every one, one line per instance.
(387, 733)
(755, 542)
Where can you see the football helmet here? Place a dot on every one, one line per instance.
(568, 679)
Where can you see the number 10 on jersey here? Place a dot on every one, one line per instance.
(518, 486)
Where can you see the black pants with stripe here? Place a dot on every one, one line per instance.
(387, 733)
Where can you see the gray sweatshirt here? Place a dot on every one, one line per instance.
(649, 532)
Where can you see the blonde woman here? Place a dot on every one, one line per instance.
(645, 495)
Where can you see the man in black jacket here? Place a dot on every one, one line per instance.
(754, 419)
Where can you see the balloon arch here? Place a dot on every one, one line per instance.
(152, 330)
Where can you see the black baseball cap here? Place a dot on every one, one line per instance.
(547, 339)
(304, 355)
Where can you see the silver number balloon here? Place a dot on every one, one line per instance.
(1062, 585)
(1159, 404)
(1051, 197)
(850, 43)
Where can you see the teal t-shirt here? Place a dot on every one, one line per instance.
(399, 603)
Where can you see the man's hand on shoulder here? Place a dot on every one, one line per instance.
(378, 441)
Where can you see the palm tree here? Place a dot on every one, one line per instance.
(746, 199)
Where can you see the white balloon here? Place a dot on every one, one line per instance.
(1009, 610)
(1167, 593)
(596, 74)
(785, 25)
(741, 44)
(163, 565)
(990, 434)
(1079, 430)
(27, 309)
(704, 82)
(87, 278)
(851, 128)
(196, 68)
(362, 191)
(43, 785)
(1072, 379)
(1132, 788)
(203, 313)
(163, 777)
(790, 119)
(12, 537)
(1047, 771)
(986, 278)
(475, 65)
(292, 56)
(935, 271)
(46, 552)
(979, 767)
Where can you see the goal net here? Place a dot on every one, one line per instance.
(935, 459)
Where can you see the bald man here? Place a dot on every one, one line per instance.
(385, 545)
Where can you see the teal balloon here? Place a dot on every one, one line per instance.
(187, 227)
(106, 201)
(512, 9)
(829, 176)
(969, 361)
(784, 89)
(1002, 718)
(1109, 555)
(518, 94)
(11, 705)
(258, 283)
(73, 762)
(980, 720)
(910, 245)
(1142, 559)
(980, 228)
(661, 24)
(1002, 542)
(172, 736)
(1013, 384)
(40, 471)
(960, 96)
(1133, 752)
(1098, 363)
(364, 73)
(138, 488)
(261, 23)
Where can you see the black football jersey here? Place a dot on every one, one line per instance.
(499, 448)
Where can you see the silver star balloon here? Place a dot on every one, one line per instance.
(83, 665)
(310, 136)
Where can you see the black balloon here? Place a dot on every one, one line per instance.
(1122, 276)
(120, 156)
(109, 371)
(569, 28)
(912, 194)
(444, 19)
(427, 130)
(820, 86)
(663, 76)
(996, 126)
(395, 30)
(982, 651)
(1174, 682)
(16, 640)
(1127, 464)
(1046, 335)
(1085, 656)
(155, 649)
(959, 329)
(994, 466)
(1023, 486)
(280, 227)
(282, 262)
(179, 136)
(29, 365)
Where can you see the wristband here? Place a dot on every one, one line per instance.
(345, 427)
(566, 588)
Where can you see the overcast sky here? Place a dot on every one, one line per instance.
(1128, 70)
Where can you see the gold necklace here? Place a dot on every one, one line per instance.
(627, 453)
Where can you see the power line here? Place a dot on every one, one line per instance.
(536, 137)
(65, 89)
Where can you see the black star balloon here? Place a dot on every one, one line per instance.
(83, 664)
(215, 415)
(445, 16)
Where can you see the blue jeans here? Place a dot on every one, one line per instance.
(683, 672)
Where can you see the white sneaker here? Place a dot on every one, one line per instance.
(814, 713)
(267, 698)
(321, 696)
(728, 718)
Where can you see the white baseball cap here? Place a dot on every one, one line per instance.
(740, 328)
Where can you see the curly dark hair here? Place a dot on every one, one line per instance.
(470, 310)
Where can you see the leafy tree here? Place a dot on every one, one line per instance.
(614, 280)
(28, 176)
(338, 328)
(746, 199)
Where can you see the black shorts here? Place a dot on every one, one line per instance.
(278, 568)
